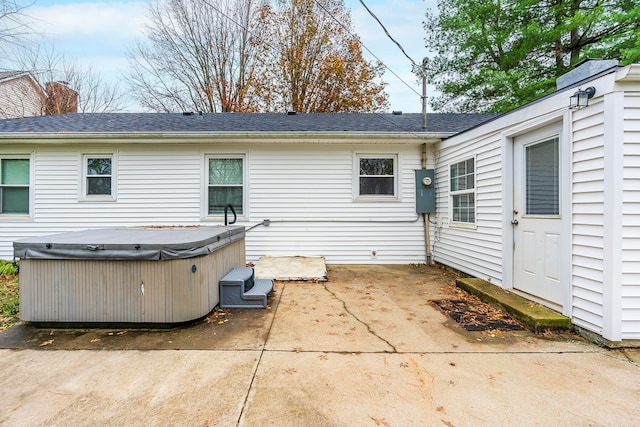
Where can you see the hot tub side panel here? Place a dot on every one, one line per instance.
(124, 291)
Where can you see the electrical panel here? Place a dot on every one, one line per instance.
(425, 191)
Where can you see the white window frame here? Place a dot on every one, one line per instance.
(453, 194)
(28, 215)
(245, 187)
(376, 197)
(83, 178)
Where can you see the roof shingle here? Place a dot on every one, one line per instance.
(136, 123)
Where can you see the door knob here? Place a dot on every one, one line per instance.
(514, 222)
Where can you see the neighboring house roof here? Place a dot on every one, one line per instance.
(137, 123)
(20, 95)
(8, 75)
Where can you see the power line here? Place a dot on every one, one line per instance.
(389, 35)
(349, 32)
(364, 46)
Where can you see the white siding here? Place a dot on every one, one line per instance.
(307, 193)
(631, 220)
(306, 190)
(476, 251)
(587, 215)
(20, 97)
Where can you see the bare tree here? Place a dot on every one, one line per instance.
(14, 25)
(200, 55)
(62, 78)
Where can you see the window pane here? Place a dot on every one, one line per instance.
(225, 171)
(542, 179)
(15, 200)
(219, 197)
(376, 166)
(463, 208)
(15, 171)
(98, 167)
(98, 185)
(376, 186)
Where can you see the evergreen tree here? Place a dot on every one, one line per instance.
(496, 55)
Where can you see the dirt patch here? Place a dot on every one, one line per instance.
(475, 315)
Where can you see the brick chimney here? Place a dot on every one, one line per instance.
(61, 99)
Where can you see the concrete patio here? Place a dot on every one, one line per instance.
(365, 348)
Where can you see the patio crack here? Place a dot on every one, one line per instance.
(371, 331)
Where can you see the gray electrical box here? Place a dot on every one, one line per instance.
(425, 191)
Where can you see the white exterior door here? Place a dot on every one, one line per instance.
(536, 214)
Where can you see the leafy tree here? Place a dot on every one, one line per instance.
(251, 55)
(200, 54)
(313, 63)
(496, 55)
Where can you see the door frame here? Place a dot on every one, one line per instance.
(508, 137)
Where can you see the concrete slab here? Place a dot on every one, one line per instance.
(452, 389)
(291, 268)
(124, 388)
(365, 348)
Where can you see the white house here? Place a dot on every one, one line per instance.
(20, 95)
(545, 201)
(337, 185)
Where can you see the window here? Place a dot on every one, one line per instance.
(225, 184)
(377, 176)
(542, 181)
(14, 186)
(98, 175)
(462, 190)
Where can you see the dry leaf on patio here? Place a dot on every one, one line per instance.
(46, 343)
(380, 421)
(290, 370)
(95, 340)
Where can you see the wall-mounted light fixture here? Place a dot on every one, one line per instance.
(581, 98)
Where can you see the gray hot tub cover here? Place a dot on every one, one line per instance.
(148, 243)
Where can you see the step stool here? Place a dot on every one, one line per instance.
(240, 289)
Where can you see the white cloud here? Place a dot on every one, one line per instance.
(118, 20)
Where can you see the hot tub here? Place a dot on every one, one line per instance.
(153, 275)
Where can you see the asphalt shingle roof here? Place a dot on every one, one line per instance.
(242, 122)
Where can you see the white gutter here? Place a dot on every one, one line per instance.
(209, 137)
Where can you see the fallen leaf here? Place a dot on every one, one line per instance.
(290, 370)
(380, 421)
(404, 365)
(46, 343)
(121, 333)
(323, 357)
(211, 423)
(447, 423)
(95, 340)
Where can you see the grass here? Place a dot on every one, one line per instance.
(9, 295)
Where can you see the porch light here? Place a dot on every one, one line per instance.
(581, 98)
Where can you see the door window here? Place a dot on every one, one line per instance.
(542, 195)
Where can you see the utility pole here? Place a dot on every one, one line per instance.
(425, 61)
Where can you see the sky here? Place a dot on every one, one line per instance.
(98, 33)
